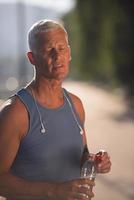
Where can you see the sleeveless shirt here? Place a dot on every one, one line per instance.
(56, 154)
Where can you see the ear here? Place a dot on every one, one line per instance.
(31, 57)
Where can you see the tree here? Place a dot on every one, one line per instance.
(103, 34)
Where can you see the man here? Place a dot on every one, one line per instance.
(42, 136)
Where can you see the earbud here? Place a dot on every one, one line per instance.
(43, 130)
(81, 130)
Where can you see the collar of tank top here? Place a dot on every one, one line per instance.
(43, 130)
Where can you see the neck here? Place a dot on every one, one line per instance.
(48, 92)
(47, 87)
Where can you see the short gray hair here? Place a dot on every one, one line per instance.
(39, 27)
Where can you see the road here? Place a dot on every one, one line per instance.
(110, 126)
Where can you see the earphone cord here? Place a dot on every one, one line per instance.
(40, 118)
(74, 115)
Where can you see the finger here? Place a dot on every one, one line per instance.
(104, 163)
(105, 156)
(104, 171)
(84, 181)
(86, 189)
(104, 168)
(84, 196)
(101, 152)
(102, 159)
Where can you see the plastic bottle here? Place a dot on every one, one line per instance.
(89, 169)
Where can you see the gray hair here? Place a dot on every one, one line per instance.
(39, 27)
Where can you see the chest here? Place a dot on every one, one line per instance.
(62, 138)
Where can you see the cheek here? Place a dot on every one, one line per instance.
(69, 54)
(46, 61)
(49, 61)
(66, 57)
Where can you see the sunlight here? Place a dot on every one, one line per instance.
(59, 5)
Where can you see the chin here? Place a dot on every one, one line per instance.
(62, 75)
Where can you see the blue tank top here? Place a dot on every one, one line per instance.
(55, 155)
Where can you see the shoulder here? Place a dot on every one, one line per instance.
(78, 106)
(12, 107)
(13, 114)
(13, 127)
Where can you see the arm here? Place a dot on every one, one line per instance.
(13, 127)
(105, 165)
(13, 187)
(81, 112)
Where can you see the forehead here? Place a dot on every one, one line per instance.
(54, 36)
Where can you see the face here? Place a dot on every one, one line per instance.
(53, 55)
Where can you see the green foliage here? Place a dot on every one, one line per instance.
(91, 41)
(75, 41)
(101, 34)
(124, 49)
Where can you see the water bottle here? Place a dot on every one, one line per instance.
(89, 168)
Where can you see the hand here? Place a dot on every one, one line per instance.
(104, 166)
(79, 189)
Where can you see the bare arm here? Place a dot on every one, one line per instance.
(13, 187)
(81, 112)
(13, 127)
(105, 165)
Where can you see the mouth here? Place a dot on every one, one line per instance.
(58, 66)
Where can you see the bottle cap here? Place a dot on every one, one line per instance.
(98, 156)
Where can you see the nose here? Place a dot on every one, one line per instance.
(56, 54)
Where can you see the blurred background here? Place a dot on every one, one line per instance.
(102, 73)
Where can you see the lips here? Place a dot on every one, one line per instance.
(58, 66)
